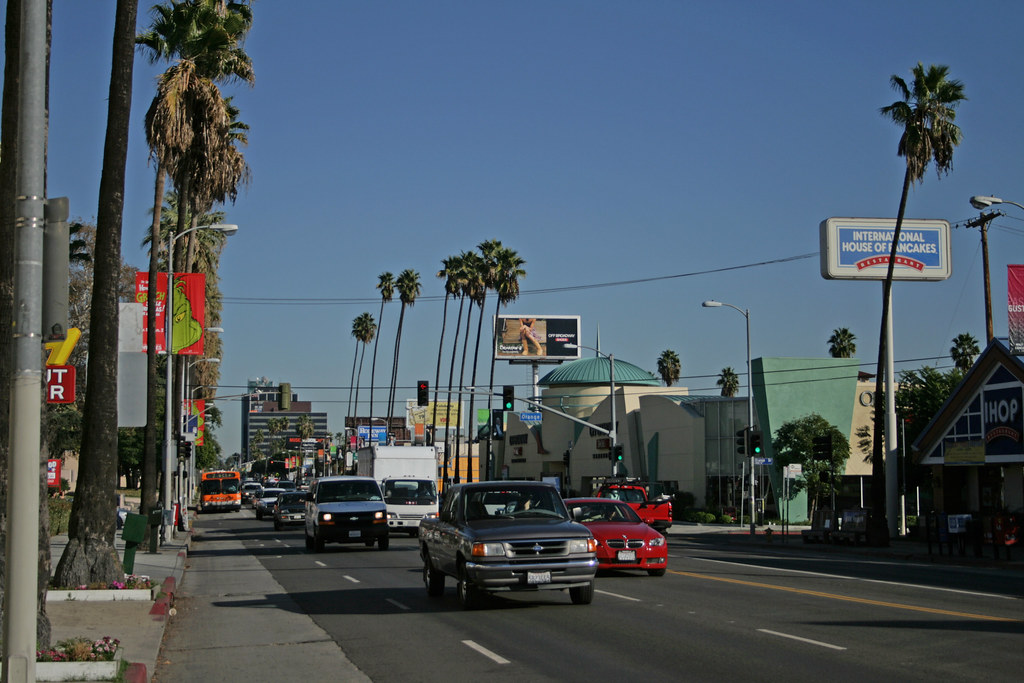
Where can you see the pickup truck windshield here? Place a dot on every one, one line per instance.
(344, 491)
(514, 502)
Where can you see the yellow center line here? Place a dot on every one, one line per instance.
(835, 596)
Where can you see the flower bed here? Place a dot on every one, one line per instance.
(132, 588)
(80, 659)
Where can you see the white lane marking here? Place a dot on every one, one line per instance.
(352, 579)
(496, 658)
(802, 640)
(857, 578)
(616, 595)
(396, 603)
(320, 563)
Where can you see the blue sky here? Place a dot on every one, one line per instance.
(604, 141)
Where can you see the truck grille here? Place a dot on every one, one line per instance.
(623, 543)
(533, 550)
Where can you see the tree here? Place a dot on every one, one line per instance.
(964, 351)
(729, 381)
(364, 329)
(926, 115)
(469, 286)
(408, 286)
(456, 280)
(794, 443)
(448, 273)
(184, 31)
(90, 554)
(386, 287)
(842, 343)
(668, 367)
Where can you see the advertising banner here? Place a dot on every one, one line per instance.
(195, 421)
(447, 413)
(189, 311)
(858, 249)
(1015, 307)
(534, 337)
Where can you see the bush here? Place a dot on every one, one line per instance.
(726, 519)
(60, 514)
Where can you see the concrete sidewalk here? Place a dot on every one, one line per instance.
(139, 625)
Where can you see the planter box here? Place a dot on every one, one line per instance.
(106, 595)
(79, 671)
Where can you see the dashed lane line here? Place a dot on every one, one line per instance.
(494, 657)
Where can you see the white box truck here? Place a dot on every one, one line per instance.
(408, 478)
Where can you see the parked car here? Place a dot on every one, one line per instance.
(624, 541)
(265, 503)
(290, 509)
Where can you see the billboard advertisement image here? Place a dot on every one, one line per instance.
(535, 337)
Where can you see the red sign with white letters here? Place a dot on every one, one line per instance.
(60, 383)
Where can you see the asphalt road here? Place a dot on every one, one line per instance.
(721, 613)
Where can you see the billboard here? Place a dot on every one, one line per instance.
(858, 249)
(1015, 307)
(447, 413)
(189, 311)
(535, 337)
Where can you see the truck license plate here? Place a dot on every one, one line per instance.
(354, 534)
(538, 577)
(626, 556)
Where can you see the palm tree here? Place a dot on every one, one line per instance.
(507, 271)
(364, 329)
(729, 381)
(183, 31)
(408, 286)
(925, 114)
(90, 554)
(469, 286)
(842, 343)
(386, 287)
(458, 284)
(448, 274)
(964, 351)
(668, 367)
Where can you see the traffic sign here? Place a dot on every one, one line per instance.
(764, 461)
(532, 418)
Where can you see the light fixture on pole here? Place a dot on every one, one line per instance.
(170, 451)
(711, 303)
(612, 433)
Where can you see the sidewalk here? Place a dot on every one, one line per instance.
(139, 625)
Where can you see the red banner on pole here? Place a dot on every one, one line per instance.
(189, 311)
(1015, 307)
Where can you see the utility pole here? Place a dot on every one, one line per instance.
(982, 222)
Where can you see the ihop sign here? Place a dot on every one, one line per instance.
(859, 249)
(1001, 410)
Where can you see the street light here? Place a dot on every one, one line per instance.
(612, 435)
(983, 202)
(169, 447)
(711, 303)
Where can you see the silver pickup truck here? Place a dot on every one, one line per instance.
(506, 536)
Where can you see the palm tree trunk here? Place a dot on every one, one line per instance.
(451, 375)
(373, 365)
(352, 378)
(394, 364)
(472, 398)
(149, 447)
(462, 375)
(490, 385)
(880, 528)
(90, 554)
(437, 373)
(358, 379)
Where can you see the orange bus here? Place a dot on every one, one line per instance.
(220, 490)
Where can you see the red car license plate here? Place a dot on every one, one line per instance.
(626, 556)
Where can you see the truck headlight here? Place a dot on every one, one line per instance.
(657, 542)
(379, 514)
(325, 517)
(582, 545)
(488, 550)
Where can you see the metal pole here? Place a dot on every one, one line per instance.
(612, 434)
(24, 468)
(750, 421)
(891, 454)
(169, 450)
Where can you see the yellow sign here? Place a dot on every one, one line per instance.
(446, 413)
(964, 453)
(61, 350)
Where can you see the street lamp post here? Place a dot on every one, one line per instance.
(982, 202)
(188, 396)
(169, 447)
(750, 404)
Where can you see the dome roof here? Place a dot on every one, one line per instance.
(596, 371)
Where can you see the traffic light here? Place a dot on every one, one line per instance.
(508, 397)
(755, 443)
(566, 456)
(284, 396)
(498, 424)
(741, 441)
(422, 389)
(617, 453)
(184, 449)
(822, 449)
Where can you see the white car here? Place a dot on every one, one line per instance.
(265, 503)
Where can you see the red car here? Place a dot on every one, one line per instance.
(624, 541)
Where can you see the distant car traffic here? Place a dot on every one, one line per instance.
(624, 541)
(285, 484)
(265, 503)
(290, 509)
(248, 489)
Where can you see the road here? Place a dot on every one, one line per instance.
(722, 612)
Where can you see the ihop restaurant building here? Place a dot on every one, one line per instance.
(974, 444)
